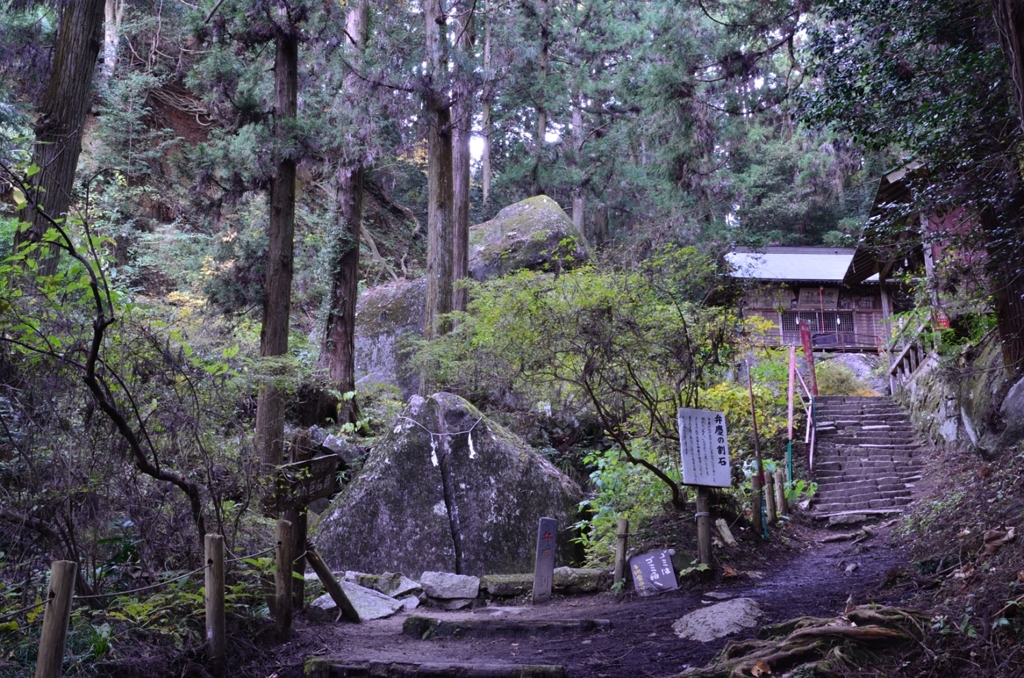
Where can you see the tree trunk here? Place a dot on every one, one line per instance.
(113, 12)
(485, 124)
(543, 61)
(600, 226)
(1007, 281)
(579, 199)
(337, 350)
(440, 216)
(461, 133)
(270, 406)
(58, 129)
(1009, 19)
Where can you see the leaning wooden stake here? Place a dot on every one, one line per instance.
(769, 497)
(56, 617)
(621, 544)
(283, 577)
(331, 585)
(215, 636)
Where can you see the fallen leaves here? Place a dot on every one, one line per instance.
(996, 538)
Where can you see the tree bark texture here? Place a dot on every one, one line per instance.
(543, 61)
(112, 14)
(579, 198)
(1009, 19)
(337, 350)
(62, 113)
(462, 131)
(440, 216)
(485, 123)
(270, 407)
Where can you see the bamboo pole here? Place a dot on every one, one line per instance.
(283, 577)
(792, 388)
(215, 635)
(621, 543)
(56, 618)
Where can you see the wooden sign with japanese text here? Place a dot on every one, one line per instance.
(300, 483)
(653, 573)
(704, 448)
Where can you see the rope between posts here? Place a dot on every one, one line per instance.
(168, 581)
(702, 514)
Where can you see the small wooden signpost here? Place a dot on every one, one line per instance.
(704, 449)
(544, 568)
(295, 486)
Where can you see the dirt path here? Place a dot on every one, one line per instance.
(805, 577)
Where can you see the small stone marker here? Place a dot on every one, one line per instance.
(653, 573)
(544, 570)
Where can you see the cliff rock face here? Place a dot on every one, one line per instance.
(447, 490)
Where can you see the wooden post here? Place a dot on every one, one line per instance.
(297, 517)
(331, 585)
(283, 577)
(757, 481)
(56, 618)
(703, 526)
(621, 543)
(769, 497)
(544, 568)
(780, 493)
(215, 635)
(301, 450)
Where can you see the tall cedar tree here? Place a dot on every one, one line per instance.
(337, 351)
(440, 200)
(270, 406)
(61, 118)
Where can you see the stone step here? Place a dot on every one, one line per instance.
(863, 484)
(834, 507)
(856, 497)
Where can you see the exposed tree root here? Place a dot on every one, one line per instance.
(809, 646)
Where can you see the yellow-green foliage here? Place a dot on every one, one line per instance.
(835, 378)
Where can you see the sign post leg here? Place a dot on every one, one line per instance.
(621, 542)
(703, 526)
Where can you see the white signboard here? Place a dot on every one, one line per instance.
(705, 452)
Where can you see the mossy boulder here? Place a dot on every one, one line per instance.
(533, 234)
(447, 490)
(388, 318)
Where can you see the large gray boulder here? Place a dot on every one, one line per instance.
(388, 317)
(447, 490)
(533, 234)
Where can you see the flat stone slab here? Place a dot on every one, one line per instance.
(446, 585)
(368, 603)
(507, 585)
(429, 627)
(318, 667)
(582, 580)
(719, 620)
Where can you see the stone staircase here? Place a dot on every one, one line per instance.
(864, 462)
